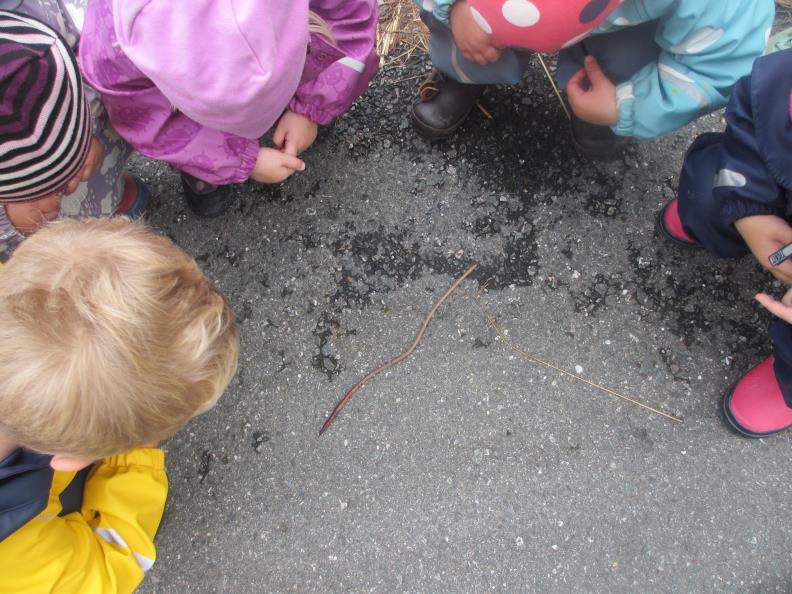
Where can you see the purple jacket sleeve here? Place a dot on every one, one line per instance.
(151, 125)
(335, 88)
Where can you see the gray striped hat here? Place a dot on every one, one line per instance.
(45, 121)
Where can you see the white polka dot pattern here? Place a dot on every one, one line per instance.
(539, 25)
(521, 13)
(481, 21)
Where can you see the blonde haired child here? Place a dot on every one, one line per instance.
(111, 338)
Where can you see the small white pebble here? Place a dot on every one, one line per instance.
(578, 369)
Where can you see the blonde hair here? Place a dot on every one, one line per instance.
(317, 24)
(111, 338)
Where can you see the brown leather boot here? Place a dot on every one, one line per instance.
(442, 105)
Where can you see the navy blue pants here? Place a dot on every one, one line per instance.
(702, 219)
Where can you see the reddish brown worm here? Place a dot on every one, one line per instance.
(375, 372)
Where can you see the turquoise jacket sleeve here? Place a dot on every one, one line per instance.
(706, 47)
(439, 8)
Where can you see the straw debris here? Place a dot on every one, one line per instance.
(401, 32)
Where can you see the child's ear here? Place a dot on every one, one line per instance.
(68, 464)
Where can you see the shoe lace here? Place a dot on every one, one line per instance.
(429, 88)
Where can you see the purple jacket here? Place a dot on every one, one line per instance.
(196, 83)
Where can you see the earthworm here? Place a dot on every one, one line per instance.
(375, 372)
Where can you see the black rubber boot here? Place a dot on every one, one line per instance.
(442, 105)
(204, 199)
(596, 142)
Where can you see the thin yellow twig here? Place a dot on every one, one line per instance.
(483, 110)
(510, 343)
(406, 78)
(555, 87)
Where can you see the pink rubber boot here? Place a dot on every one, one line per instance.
(669, 224)
(755, 405)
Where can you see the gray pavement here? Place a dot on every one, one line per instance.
(468, 468)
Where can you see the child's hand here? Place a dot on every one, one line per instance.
(273, 166)
(592, 95)
(29, 217)
(294, 133)
(781, 309)
(766, 234)
(476, 45)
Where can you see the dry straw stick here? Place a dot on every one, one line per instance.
(400, 26)
(528, 357)
(554, 85)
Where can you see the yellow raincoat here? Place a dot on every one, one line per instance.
(106, 547)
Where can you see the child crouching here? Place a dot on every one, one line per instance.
(111, 339)
(59, 156)
(735, 197)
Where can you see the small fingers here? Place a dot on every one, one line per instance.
(470, 55)
(292, 162)
(491, 54)
(290, 147)
(765, 300)
(286, 173)
(593, 70)
(578, 83)
(279, 136)
(775, 307)
(480, 51)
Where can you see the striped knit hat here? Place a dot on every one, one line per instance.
(45, 121)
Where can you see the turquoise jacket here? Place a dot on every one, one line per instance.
(706, 47)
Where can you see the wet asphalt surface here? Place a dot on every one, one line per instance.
(469, 468)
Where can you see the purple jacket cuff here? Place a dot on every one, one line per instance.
(335, 89)
(233, 167)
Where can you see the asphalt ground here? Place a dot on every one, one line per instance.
(469, 468)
